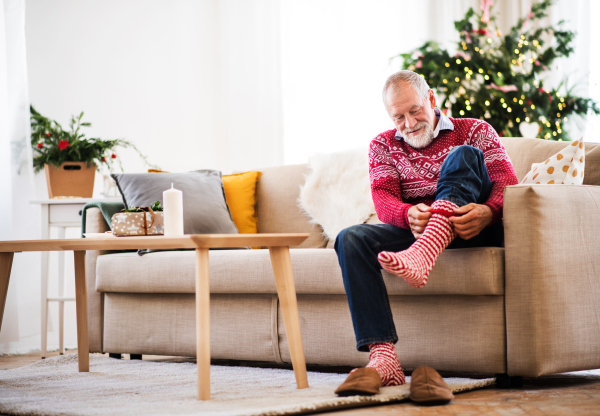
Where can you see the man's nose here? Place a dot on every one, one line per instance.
(410, 122)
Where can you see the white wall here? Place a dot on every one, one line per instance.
(180, 79)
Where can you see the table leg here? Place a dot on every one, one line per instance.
(284, 280)
(45, 262)
(6, 260)
(83, 342)
(61, 294)
(203, 323)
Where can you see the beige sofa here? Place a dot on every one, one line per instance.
(528, 309)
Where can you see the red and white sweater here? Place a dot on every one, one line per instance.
(402, 176)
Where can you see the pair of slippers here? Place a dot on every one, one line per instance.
(426, 385)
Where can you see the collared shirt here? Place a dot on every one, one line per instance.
(444, 123)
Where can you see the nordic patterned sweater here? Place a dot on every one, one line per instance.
(402, 176)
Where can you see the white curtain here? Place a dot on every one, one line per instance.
(18, 218)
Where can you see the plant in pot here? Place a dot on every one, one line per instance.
(69, 158)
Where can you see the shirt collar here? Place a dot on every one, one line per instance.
(444, 123)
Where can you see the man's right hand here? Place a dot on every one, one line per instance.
(418, 217)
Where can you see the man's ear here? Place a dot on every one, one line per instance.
(432, 98)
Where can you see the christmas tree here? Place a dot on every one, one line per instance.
(498, 78)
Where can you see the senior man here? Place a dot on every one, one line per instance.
(436, 182)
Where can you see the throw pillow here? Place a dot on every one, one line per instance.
(337, 191)
(204, 208)
(240, 193)
(566, 167)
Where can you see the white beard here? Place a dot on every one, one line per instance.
(421, 140)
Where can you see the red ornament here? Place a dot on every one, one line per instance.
(63, 144)
(113, 156)
(529, 102)
(47, 134)
(40, 145)
(104, 159)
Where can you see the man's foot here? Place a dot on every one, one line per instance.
(361, 381)
(383, 358)
(415, 263)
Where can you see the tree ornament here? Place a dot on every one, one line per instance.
(113, 156)
(104, 159)
(63, 144)
(47, 134)
(40, 145)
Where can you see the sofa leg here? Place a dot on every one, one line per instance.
(504, 381)
(135, 356)
(112, 355)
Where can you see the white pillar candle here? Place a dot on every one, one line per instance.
(173, 211)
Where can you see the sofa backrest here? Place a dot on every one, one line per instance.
(279, 187)
(523, 152)
(277, 204)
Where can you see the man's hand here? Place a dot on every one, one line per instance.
(473, 219)
(418, 217)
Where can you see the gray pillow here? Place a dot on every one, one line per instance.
(204, 208)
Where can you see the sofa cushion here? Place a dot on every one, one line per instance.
(474, 271)
(524, 152)
(277, 204)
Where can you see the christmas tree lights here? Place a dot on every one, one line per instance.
(498, 78)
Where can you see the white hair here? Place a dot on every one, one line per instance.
(412, 78)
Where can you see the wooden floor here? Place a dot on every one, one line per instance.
(551, 395)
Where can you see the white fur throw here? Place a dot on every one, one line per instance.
(337, 191)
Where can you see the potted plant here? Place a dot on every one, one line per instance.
(68, 157)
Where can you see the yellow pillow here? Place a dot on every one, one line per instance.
(240, 193)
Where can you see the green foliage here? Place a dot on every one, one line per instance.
(49, 142)
(498, 79)
(155, 207)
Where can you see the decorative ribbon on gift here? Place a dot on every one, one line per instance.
(152, 216)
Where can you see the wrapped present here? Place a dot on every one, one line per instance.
(138, 221)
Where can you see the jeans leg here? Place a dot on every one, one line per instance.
(357, 248)
(464, 177)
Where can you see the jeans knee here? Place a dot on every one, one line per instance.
(350, 237)
(466, 151)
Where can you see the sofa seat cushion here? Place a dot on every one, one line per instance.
(473, 271)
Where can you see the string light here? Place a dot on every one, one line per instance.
(518, 120)
(447, 64)
(458, 61)
(487, 102)
(456, 79)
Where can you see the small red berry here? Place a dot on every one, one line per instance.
(104, 159)
(47, 134)
(113, 156)
(40, 145)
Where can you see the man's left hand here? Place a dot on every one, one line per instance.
(473, 218)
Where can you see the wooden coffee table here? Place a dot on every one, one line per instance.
(278, 245)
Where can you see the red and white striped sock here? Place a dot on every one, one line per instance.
(384, 360)
(415, 263)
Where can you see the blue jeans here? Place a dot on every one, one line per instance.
(463, 179)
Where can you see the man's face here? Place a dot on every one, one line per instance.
(412, 116)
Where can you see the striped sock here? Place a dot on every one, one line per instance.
(415, 263)
(384, 360)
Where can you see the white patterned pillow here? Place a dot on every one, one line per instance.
(566, 167)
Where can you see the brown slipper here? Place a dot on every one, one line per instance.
(364, 381)
(427, 386)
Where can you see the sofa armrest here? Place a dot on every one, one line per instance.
(94, 223)
(552, 282)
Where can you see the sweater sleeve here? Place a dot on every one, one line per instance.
(385, 185)
(498, 165)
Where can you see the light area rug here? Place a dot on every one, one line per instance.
(123, 387)
(337, 191)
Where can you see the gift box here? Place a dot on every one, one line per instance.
(145, 221)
